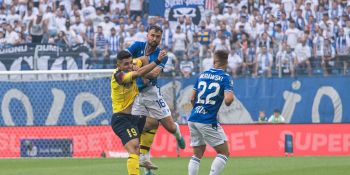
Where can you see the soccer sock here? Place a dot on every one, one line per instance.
(177, 133)
(218, 164)
(193, 166)
(148, 171)
(146, 140)
(133, 164)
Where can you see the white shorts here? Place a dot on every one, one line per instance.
(150, 103)
(206, 133)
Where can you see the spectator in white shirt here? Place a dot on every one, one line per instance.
(13, 16)
(60, 20)
(100, 47)
(88, 10)
(74, 37)
(97, 18)
(179, 43)
(234, 63)
(208, 62)
(141, 35)
(328, 60)
(243, 22)
(29, 16)
(285, 59)
(171, 64)
(186, 67)
(216, 17)
(221, 42)
(107, 25)
(289, 6)
(78, 26)
(11, 36)
(318, 44)
(118, 4)
(230, 17)
(303, 55)
(135, 8)
(264, 60)
(342, 46)
(50, 20)
(292, 34)
(130, 38)
(37, 28)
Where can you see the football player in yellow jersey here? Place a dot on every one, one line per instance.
(123, 91)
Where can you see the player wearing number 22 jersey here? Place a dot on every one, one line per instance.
(210, 90)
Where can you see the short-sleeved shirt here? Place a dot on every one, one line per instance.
(123, 89)
(210, 86)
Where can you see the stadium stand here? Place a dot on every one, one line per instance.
(301, 37)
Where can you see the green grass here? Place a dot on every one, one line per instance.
(178, 166)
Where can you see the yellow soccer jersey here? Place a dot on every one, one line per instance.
(123, 89)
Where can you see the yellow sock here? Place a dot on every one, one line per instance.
(146, 140)
(133, 164)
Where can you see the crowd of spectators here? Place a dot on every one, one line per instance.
(263, 37)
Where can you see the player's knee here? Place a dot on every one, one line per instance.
(199, 156)
(169, 124)
(171, 128)
(133, 147)
(225, 153)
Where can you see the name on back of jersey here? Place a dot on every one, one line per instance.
(211, 77)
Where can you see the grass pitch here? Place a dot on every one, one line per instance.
(178, 166)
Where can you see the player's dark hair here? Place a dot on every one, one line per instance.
(123, 55)
(155, 28)
(222, 55)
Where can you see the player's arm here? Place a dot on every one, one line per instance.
(193, 97)
(228, 98)
(130, 76)
(228, 93)
(194, 93)
(156, 71)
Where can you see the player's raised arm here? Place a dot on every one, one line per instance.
(156, 71)
(125, 63)
(148, 68)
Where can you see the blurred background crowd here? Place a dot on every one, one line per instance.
(263, 37)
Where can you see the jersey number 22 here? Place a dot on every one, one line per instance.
(203, 86)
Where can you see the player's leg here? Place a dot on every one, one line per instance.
(139, 109)
(146, 140)
(198, 145)
(125, 126)
(173, 128)
(215, 136)
(220, 160)
(159, 109)
(132, 147)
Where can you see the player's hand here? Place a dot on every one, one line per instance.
(135, 67)
(162, 55)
